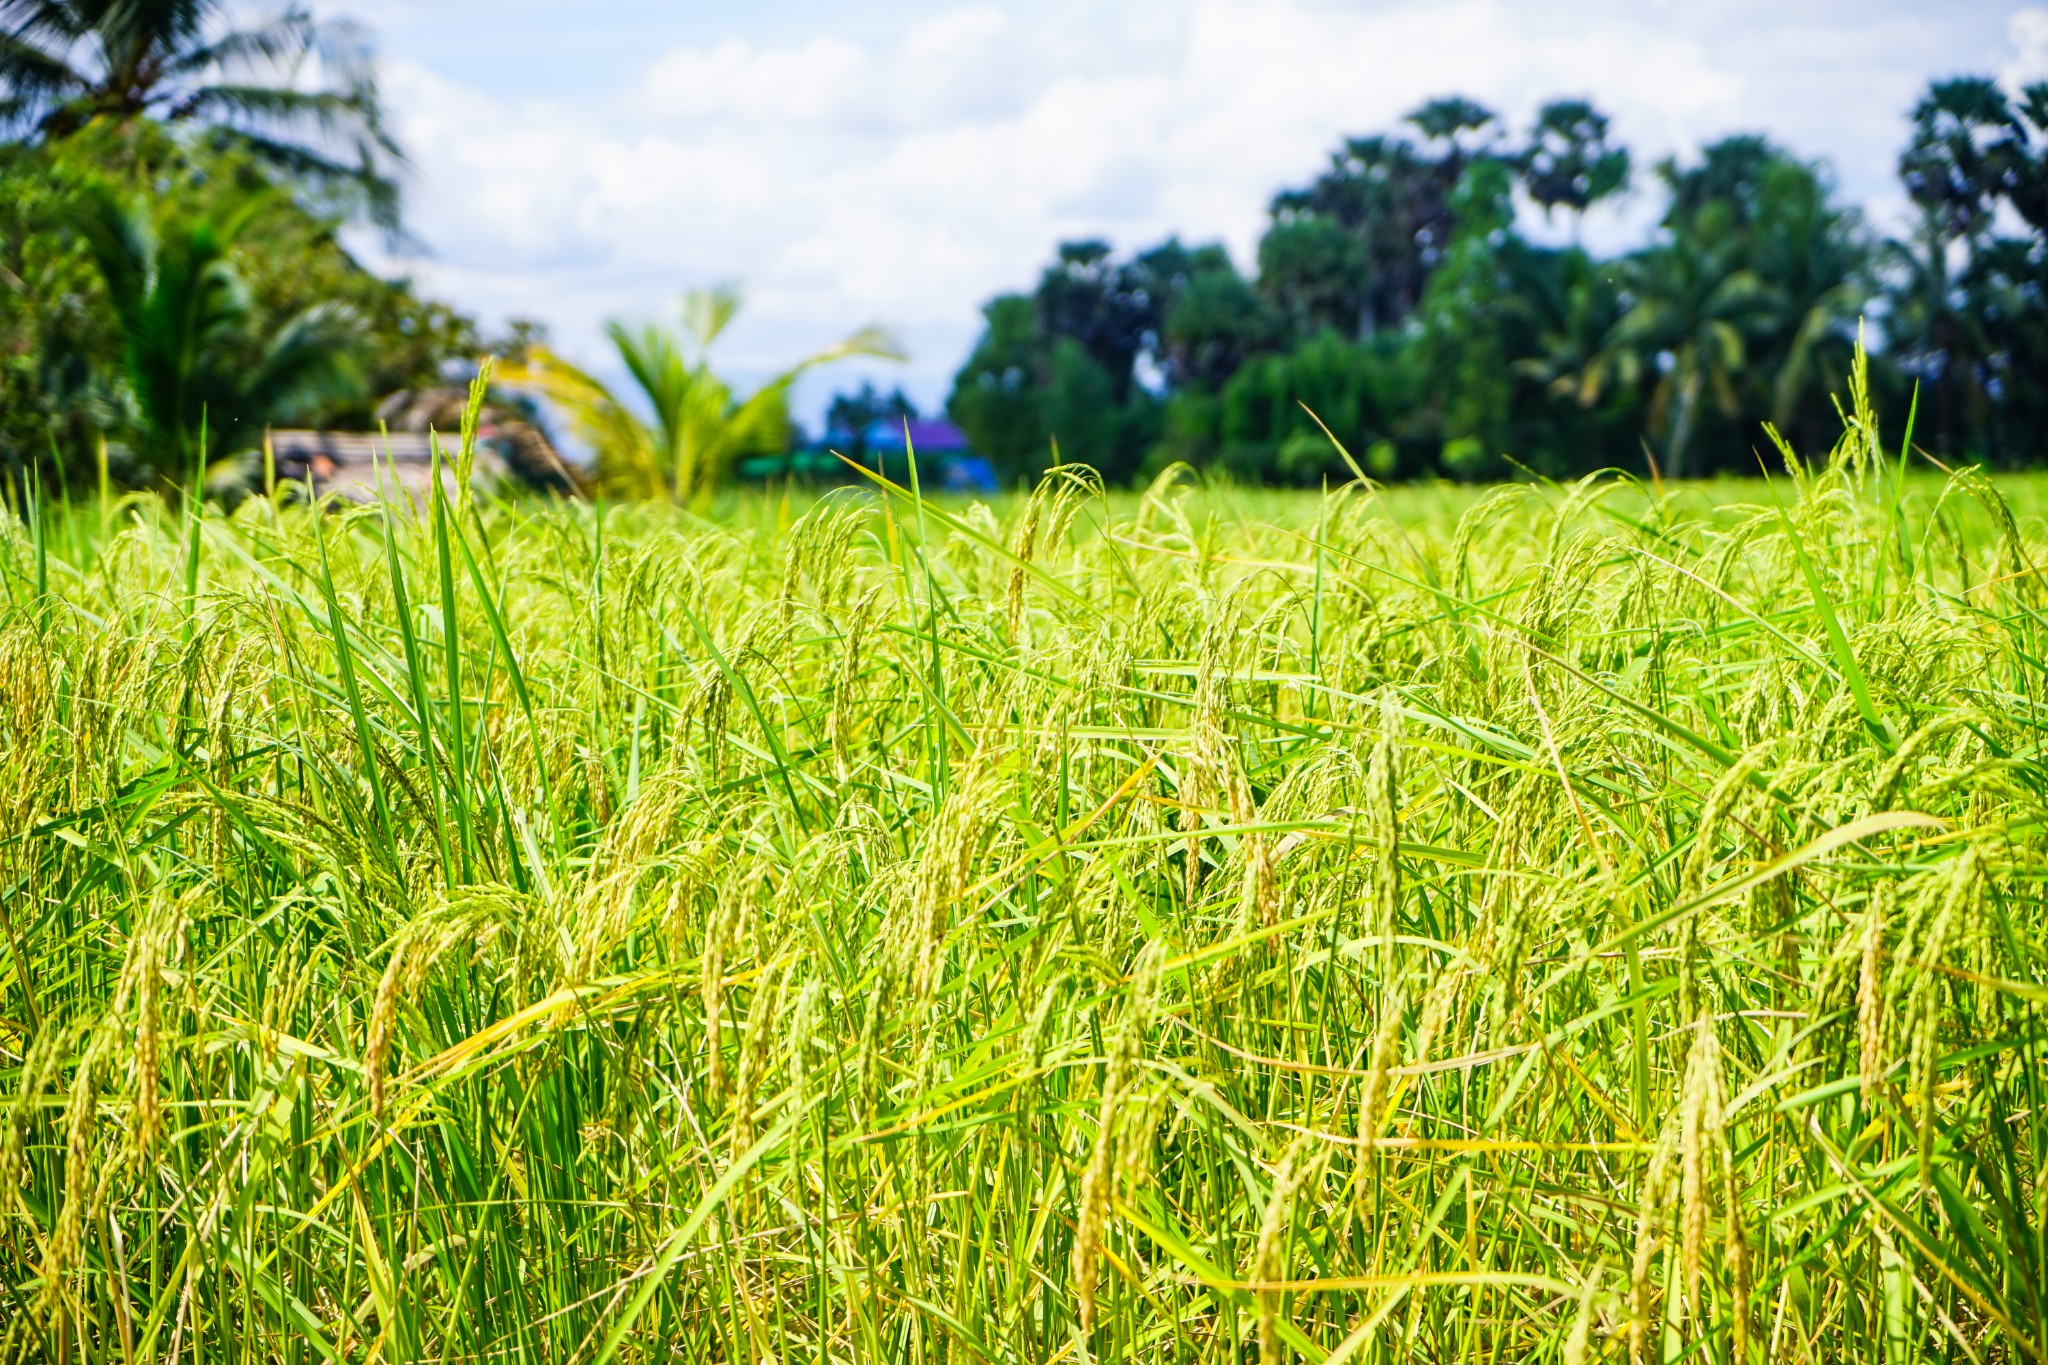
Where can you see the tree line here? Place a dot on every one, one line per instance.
(173, 281)
(1398, 302)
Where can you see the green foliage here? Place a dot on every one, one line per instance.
(1027, 389)
(59, 342)
(702, 426)
(1212, 320)
(408, 341)
(1569, 162)
(1965, 298)
(1317, 273)
(192, 360)
(67, 376)
(996, 397)
(1462, 339)
(65, 64)
(1263, 428)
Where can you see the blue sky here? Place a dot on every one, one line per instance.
(901, 162)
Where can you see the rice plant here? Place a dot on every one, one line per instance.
(1554, 924)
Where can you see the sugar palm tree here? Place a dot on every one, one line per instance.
(702, 426)
(194, 358)
(1571, 307)
(1815, 260)
(64, 63)
(1697, 305)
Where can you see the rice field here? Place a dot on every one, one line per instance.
(1542, 924)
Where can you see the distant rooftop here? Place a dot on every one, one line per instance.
(361, 466)
(928, 436)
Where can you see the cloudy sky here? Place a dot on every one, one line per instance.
(901, 161)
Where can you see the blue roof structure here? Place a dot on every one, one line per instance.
(928, 436)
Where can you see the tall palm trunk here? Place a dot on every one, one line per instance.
(1682, 419)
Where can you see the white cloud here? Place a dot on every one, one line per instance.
(736, 83)
(2028, 30)
(906, 179)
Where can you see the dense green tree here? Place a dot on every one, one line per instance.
(204, 377)
(1393, 200)
(1087, 423)
(1731, 178)
(1815, 258)
(59, 343)
(1744, 309)
(1461, 131)
(997, 397)
(1103, 304)
(1696, 304)
(1025, 400)
(1968, 151)
(1960, 290)
(1569, 162)
(1061, 368)
(63, 375)
(1463, 323)
(1396, 299)
(2007, 289)
(1360, 390)
(1317, 274)
(1218, 321)
(1581, 383)
(2027, 189)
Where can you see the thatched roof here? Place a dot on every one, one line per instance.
(524, 447)
(359, 465)
(400, 459)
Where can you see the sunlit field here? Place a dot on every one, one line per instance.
(1539, 923)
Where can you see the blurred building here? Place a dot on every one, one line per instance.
(511, 451)
(945, 460)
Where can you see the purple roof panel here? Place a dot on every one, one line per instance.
(929, 435)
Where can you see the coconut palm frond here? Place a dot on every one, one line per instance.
(621, 444)
(702, 428)
(188, 323)
(64, 64)
(314, 358)
(34, 77)
(706, 313)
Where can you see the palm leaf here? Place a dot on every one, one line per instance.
(623, 445)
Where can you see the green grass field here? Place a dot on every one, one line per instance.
(1539, 924)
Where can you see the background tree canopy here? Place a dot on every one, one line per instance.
(101, 227)
(174, 188)
(66, 63)
(171, 202)
(1397, 296)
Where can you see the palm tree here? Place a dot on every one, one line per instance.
(193, 357)
(1936, 339)
(701, 426)
(1571, 305)
(64, 63)
(1970, 149)
(1569, 162)
(1815, 261)
(1696, 304)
